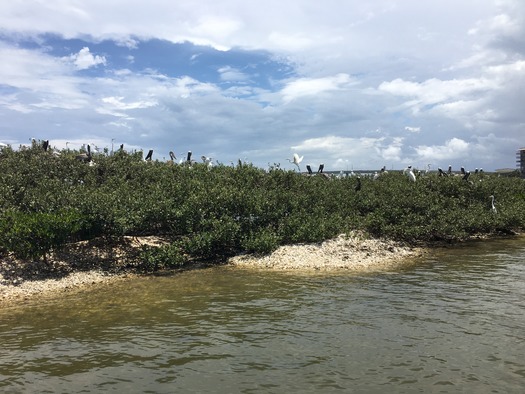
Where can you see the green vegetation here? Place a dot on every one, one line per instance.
(49, 200)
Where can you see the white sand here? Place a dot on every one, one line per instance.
(28, 289)
(347, 252)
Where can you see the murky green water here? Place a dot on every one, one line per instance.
(453, 323)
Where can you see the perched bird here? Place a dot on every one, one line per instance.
(309, 169)
(493, 206)
(172, 156)
(449, 170)
(358, 184)
(321, 168)
(207, 160)
(408, 172)
(465, 177)
(84, 157)
(149, 155)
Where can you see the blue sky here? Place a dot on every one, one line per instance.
(351, 84)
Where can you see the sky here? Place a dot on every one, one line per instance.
(355, 85)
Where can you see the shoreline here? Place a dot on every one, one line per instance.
(101, 261)
(98, 261)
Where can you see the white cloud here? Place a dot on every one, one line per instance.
(434, 91)
(84, 59)
(363, 152)
(119, 104)
(452, 149)
(314, 86)
(232, 74)
(412, 129)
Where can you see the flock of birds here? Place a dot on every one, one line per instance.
(409, 172)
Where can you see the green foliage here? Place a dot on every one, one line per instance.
(155, 258)
(33, 235)
(47, 200)
(261, 242)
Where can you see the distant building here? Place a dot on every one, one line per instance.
(520, 161)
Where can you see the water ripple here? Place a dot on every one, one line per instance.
(452, 323)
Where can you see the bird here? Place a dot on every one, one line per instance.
(408, 172)
(309, 169)
(296, 160)
(84, 157)
(207, 160)
(149, 155)
(449, 170)
(441, 173)
(358, 185)
(465, 177)
(492, 203)
(172, 156)
(321, 168)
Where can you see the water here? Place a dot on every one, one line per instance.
(452, 323)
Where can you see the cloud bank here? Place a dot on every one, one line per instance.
(346, 83)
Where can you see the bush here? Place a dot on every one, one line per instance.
(33, 235)
(154, 258)
(48, 200)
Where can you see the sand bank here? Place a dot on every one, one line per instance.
(98, 261)
(354, 252)
(76, 265)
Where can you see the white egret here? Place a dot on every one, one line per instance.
(296, 160)
(408, 172)
(493, 206)
(207, 160)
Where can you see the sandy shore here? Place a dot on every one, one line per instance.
(353, 252)
(27, 290)
(97, 261)
(77, 265)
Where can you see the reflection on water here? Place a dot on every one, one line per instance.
(451, 323)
